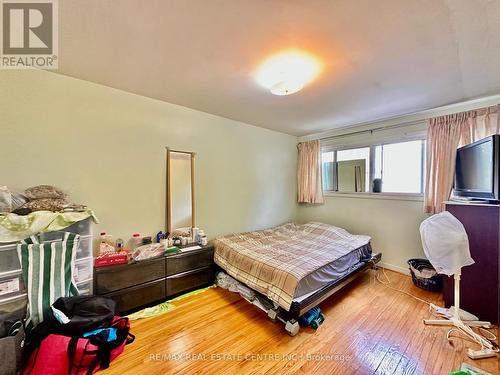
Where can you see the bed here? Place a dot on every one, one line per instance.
(294, 267)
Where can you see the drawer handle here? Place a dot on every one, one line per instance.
(190, 272)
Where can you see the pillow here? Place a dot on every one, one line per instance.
(44, 191)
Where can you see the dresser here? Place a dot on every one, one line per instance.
(479, 286)
(150, 281)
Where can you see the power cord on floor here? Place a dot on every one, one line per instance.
(386, 283)
(492, 337)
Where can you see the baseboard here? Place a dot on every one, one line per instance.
(404, 271)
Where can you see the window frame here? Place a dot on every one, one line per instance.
(383, 195)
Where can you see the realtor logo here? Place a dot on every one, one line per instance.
(29, 34)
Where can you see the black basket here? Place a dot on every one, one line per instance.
(433, 284)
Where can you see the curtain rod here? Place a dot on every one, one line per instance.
(488, 109)
(387, 127)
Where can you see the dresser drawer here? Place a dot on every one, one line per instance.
(134, 297)
(189, 280)
(113, 278)
(189, 261)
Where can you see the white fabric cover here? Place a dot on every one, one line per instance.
(445, 243)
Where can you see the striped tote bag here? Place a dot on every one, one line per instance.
(47, 269)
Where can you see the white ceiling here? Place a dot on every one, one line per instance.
(381, 57)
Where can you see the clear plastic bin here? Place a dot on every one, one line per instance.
(85, 248)
(85, 288)
(15, 304)
(9, 261)
(12, 288)
(10, 267)
(83, 227)
(84, 269)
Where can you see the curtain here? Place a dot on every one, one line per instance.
(486, 122)
(444, 135)
(309, 188)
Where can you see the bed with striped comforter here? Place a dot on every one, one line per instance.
(273, 261)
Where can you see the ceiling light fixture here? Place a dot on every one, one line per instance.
(288, 72)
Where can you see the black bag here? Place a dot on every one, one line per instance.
(85, 313)
(84, 354)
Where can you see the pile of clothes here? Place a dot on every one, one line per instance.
(36, 198)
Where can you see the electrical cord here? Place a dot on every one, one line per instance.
(386, 283)
(460, 331)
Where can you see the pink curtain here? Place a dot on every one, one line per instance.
(444, 135)
(309, 189)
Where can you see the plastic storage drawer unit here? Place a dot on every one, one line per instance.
(12, 287)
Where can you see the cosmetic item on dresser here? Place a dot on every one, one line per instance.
(160, 236)
(146, 282)
(119, 244)
(135, 241)
(107, 238)
(194, 234)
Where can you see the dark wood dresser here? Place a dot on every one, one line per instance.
(479, 286)
(143, 283)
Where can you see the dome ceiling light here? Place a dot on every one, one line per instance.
(288, 72)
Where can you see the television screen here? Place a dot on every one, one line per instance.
(474, 169)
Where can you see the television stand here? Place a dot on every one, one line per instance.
(466, 200)
(480, 292)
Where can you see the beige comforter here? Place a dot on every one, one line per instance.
(273, 261)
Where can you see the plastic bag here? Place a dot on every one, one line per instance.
(18, 200)
(5, 199)
(225, 281)
(424, 273)
(445, 243)
(151, 250)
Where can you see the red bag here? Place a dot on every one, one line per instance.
(59, 354)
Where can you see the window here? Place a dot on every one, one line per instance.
(400, 167)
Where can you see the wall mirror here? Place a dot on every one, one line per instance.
(180, 211)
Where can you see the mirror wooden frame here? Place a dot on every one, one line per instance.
(168, 209)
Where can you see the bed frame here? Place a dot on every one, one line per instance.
(290, 317)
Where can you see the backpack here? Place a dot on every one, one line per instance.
(87, 340)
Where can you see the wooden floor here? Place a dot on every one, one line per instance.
(369, 329)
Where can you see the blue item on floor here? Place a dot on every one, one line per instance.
(109, 332)
(307, 318)
(318, 321)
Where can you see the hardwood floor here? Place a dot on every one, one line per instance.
(369, 329)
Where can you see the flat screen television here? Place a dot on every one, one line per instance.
(477, 170)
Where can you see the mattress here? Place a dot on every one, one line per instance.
(332, 272)
(291, 260)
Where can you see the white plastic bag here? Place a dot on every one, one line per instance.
(225, 281)
(151, 250)
(445, 243)
(5, 199)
